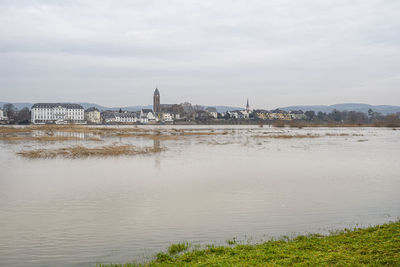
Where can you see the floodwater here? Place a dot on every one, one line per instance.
(201, 189)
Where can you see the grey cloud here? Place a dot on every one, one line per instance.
(211, 52)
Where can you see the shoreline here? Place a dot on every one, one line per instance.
(375, 245)
(293, 124)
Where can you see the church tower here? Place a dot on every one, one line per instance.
(247, 106)
(156, 101)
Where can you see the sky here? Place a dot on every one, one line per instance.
(221, 52)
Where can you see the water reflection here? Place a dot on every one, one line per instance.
(78, 135)
(157, 157)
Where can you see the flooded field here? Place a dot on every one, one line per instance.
(74, 196)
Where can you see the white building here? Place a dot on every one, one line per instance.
(167, 117)
(2, 117)
(126, 117)
(147, 116)
(235, 114)
(245, 114)
(57, 113)
(112, 117)
(298, 115)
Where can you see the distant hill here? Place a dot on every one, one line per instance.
(384, 109)
(221, 109)
(19, 105)
(129, 108)
(85, 105)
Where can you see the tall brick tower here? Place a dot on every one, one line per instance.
(156, 101)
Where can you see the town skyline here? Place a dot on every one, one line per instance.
(160, 113)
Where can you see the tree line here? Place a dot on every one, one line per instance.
(354, 117)
(22, 116)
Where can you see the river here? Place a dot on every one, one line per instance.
(202, 189)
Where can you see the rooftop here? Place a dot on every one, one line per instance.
(54, 105)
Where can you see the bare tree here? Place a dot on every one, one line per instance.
(10, 111)
(24, 115)
(392, 120)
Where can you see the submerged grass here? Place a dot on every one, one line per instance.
(372, 246)
(75, 152)
(177, 248)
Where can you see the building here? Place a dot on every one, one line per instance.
(108, 117)
(246, 112)
(262, 114)
(125, 117)
(147, 116)
(156, 101)
(212, 111)
(280, 115)
(2, 116)
(298, 115)
(59, 113)
(175, 111)
(114, 117)
(167, 117)
(235, 114)
(92, 116)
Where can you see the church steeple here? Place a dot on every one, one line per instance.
(247, 105)
(156, 101)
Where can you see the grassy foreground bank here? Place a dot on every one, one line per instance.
(373, 246)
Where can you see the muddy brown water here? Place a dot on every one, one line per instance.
(204, 189)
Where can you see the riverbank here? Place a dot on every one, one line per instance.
(377, 246)
(250, 122)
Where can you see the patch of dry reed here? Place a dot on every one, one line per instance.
(76, 152)
(52, 138)
(10, 130)
(336, 134)
(205, 133)
(287, 136)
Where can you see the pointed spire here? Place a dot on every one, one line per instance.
(247, 105)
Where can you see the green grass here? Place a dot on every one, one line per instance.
(176, 248)
(373, 246)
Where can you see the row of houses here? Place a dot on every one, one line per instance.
(64, 113)
(144, 116)
(265, 115)
(279, 115)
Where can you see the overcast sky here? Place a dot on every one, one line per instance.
(276, 53)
